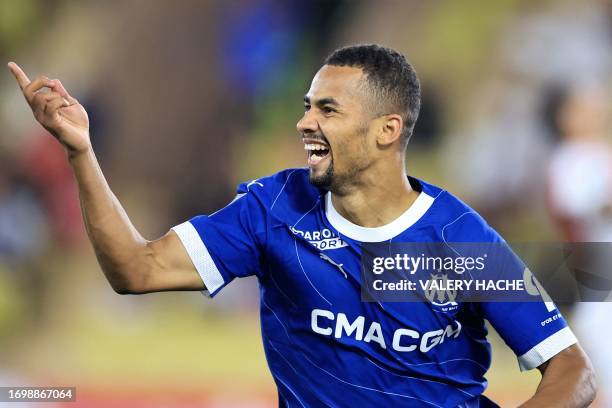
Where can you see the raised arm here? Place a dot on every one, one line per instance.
(131, 263)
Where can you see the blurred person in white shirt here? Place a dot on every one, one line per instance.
(580, 201)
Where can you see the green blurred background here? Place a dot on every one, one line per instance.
(189, 98)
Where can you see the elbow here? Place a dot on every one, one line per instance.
(129, 276)
(128, 289)
(122, 284)
(124, 290)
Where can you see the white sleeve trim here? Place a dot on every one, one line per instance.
(546, 349)
(200, 257)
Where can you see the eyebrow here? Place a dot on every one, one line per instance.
(322, 101)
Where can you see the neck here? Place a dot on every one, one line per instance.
(377, 198)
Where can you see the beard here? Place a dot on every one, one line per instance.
(324, 180)
(339, 182)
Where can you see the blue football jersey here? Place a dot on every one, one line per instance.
(327, 347)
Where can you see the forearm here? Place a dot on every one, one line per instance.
(131, 263)
(567, 381)
(127, 259)
(119, 247)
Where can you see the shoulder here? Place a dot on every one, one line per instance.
(279, 185)
(284, 192)
(455, 220)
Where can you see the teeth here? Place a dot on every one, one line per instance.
(312, 146)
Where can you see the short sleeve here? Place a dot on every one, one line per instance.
(227, 244)
(534, 330)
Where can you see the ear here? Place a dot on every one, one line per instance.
(390, 129)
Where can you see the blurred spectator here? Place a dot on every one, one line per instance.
(580, 171)
(506, 142)
(573, 36)
(252, 34)
(45, 165)
(23, 232)
(580, 201)
(24, 240)
(501, 162)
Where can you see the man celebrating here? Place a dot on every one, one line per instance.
(301, 233)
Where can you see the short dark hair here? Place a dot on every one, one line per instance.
(389, 75)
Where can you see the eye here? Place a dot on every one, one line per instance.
(306, 107)
(327, 109)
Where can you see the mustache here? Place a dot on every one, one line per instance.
(319, 136)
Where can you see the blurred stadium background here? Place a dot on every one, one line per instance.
(188, 98)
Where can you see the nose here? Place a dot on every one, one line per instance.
(308, 124)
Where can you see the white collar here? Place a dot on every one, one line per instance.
(384, 232)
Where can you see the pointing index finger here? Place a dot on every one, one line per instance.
(20, 76)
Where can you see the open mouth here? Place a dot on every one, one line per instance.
(317, 151)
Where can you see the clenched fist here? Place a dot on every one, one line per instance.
(56, 110)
